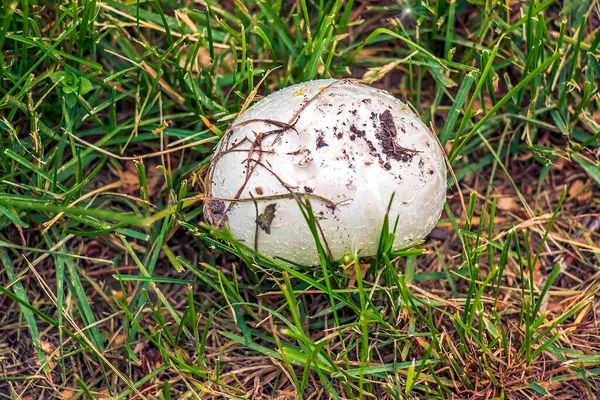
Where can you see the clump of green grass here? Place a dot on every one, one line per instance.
(112, 286)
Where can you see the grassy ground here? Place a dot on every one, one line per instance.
(111, 287)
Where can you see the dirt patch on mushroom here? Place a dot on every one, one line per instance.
(265, 219)
(338, 134)
(357, 133)
(386, 134)
(321, 141)
(214, 213)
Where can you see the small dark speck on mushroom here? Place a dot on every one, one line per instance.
(259, 190)
(357, 131)
(338, 134)
(321, 141)
(374, 119)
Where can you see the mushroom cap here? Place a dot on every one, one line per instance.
(346, 146)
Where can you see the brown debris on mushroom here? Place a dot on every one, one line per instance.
(214, 213)
(265, 219)
(386, 134)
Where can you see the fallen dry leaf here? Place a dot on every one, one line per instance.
(49, 349)
(103, 395)
(585, 196)
(508, 204)
(576, 187)
(352, 274)
(120, 339)
(67, 393)
(130, 180)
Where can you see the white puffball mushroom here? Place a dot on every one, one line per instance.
(346, 146)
